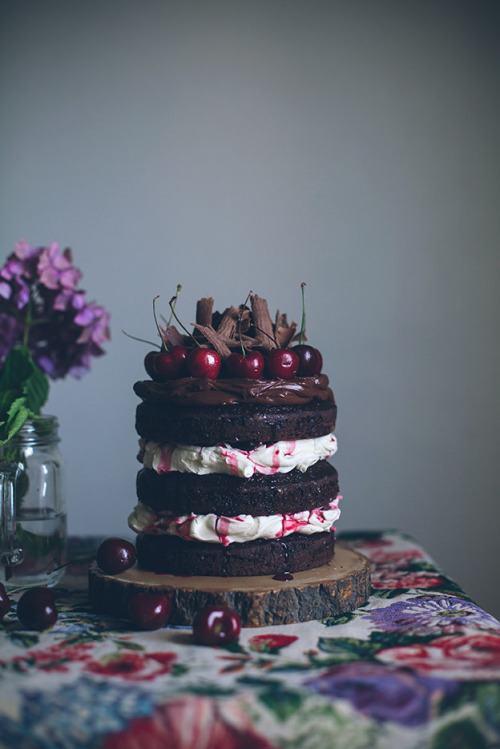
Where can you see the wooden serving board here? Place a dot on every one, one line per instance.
(336, 588)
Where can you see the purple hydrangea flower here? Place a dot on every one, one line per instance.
(423, 614)
(55, 269)
(41, 306)
(384, 693)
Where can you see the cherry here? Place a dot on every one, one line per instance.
(249, 365)
(5, 602)
(170, 364)
(204, 362)
(283, 363)
(310, 360)
(149, 361)
(115, 555)
(216, 625)
(149, 610)
(320, 361)
(37, 609)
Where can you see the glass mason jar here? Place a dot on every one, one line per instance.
(32, 506)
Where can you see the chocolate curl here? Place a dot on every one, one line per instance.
(172, 337)
(284, 332)
(204, 309)
(229, 328)
(264, 332)
(214, 339)
(228, 323)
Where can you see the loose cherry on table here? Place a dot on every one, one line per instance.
(310, 360)
(282, 363)
(5, 602)
(204, 363)
(249, 365)
(37, 609)
(149, 610)
(216, 625)
(115, 555)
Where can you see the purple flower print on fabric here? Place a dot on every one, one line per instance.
(426, 614)
(384, 694)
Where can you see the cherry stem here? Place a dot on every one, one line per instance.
(242, 309)
(164, 345)
(177, 292)
(76, 560)
(303, 326)
(268, 336)
(172, 303)
(142, 340)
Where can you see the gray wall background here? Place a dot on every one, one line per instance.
(231, 146)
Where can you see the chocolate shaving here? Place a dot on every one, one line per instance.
(214, 339)
(238, 326)
(172, 337)
(204, 309)
(264, 333)
(228, 323)
(284, 332)
(285, 335)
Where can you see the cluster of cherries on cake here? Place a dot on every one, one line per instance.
(285, 363)
(252, 347)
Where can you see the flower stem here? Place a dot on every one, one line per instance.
(27, 324)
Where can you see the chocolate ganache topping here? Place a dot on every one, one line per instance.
(225, 391)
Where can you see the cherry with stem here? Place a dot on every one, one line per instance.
(202, 362)
(310, 359)
(168, 364)
(249, 365)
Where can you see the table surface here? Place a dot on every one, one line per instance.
(417, 666)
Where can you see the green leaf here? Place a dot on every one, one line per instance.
(179, 669)
(332, 621)
(488, 699)
(283, 702)
(128, 645)
(348, 648)
(38, 545)
(384, 640)
(460, 734)
(24, 639)
(36, 389)
(387, 593)
(24, 389)
(14, 413)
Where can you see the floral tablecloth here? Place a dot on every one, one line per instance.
(417, 666)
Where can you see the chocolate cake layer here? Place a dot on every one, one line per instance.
(250, 422)
(170, 554)
(183, 493)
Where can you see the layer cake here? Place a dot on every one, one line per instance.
(235, 478)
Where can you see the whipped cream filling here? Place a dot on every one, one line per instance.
(227, 530)
(279, 457)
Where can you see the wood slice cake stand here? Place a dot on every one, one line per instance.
(336, 588)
